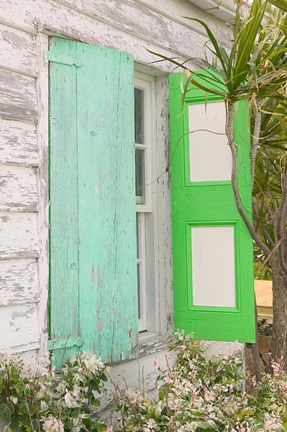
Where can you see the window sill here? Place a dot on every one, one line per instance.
(151, 343)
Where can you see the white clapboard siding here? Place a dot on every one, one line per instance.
(17, 96)
(165, 25)
(18, 143)
(18, 51)
(178, 10)
(18, 189)
(19, 235)
(59, 19)
(18, 282)
(148, 25)
(163, 252)
(19, 327)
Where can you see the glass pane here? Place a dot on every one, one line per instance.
(213, 249)
(139, 291)
(209, 154)
(140, 175)
(138, 237)
(139, 116)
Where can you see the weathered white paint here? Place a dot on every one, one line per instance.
(18, 143)
(168, 32)
(42, 181)
(177, 10)
(18, 282)
(209, 154)
(19, 235)
(224, 9)
(213, 254)
(162, 205)
(18, 51)
(51, 17)
(18, 190)
(17, 96)
(130, 25)
(19, 327)
(142, 374)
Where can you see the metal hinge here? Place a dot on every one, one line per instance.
(53, 345)
(69, 61)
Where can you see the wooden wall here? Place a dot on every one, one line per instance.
(130, 25)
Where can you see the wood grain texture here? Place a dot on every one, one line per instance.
(18, 51)
(59, 19)
(146, 24)
(18, 282)
(18, 189)
(17, 97)
(19, 235)
(18, 143)
(19, 327)
(64, 239)
(162, 206)
(178, 9)
(93, 234)
(43, 189)
(107, 212)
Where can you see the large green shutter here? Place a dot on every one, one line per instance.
(93, 294)
(209, 204)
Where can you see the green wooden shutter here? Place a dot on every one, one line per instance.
(93, 288)
(199, 206)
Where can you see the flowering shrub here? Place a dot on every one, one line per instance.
(202, 393)
(41, 400)
(199, 393)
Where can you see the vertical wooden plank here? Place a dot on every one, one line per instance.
(64, 318)
(107, 255)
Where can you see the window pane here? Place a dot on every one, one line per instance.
(139, 290)
(213, 249)
(210, 157)
(139, 116)
(140, 175)
(138, 237)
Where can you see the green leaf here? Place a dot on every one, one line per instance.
(5, 413)
(219, 50)
(23, 408)
(281, 4)
(246, 41)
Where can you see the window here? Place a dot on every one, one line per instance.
(144, 142)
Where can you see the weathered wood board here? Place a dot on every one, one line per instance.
(263, 291)
(17, 96)
(18, 189)
(19, 326)
(52, 17)
(18, 143)
(18, 51)
(19, 235)
(18, 282)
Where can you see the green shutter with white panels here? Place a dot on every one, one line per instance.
(212, 249)
(93, 285)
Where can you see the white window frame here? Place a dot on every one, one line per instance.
(145, 260)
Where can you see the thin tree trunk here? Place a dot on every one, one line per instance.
(279, 332)
(255, 348)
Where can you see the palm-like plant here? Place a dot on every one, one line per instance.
(255, 70)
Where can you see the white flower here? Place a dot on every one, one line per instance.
(93, 363)
(51, 424)
(69, 400)
(14, 399)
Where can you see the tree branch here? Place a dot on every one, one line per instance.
(238, 202)
(255, 140)
(281, 225)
